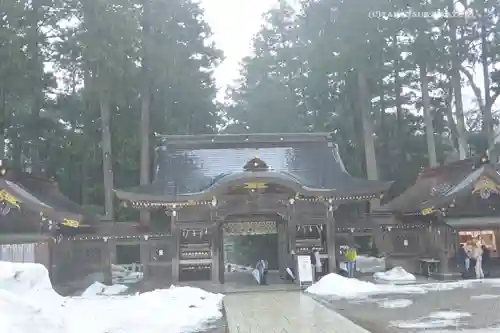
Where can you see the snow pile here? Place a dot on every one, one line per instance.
(397, 274)
(97, 289)
(29, 304)
(370, 264)
(26, 279)
(339, 286)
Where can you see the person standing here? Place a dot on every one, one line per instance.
(477, 254)
(262, 268)
(463, 260)
(486, 259)
(316, 266)
(290, 269)
(351, 255)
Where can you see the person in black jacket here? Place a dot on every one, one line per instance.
(486, 259)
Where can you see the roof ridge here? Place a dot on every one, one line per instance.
(435, 171)
(247, 137)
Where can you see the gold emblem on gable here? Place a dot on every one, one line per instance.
(427, 211)
(71, 223)
(255, 186)
(7, 197)
(485, 187)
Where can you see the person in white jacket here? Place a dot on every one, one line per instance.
(477, 254)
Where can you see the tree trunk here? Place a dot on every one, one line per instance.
(107, 161)
(487, 116)
(429, 126)
(87, 132)
(400, 133)
(3, 122)
(449, 117)
(457, 86)
(366, 120)
(37, 85)
(145, 104)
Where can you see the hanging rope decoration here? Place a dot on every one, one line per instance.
(310, 227)
(194, 232)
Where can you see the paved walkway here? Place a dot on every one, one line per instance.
(283, 312)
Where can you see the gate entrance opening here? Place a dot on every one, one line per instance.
(248, 239)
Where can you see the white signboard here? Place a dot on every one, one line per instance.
(304, 269)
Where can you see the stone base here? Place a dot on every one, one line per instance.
(446, 276)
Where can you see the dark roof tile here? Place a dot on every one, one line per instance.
(187, 168)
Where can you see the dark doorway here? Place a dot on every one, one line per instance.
(128, 254)
(246, 250)
(249, 239)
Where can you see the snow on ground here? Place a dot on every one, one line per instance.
(396, 275)
(370, 264)
(395, 303)
(484, 296)
(98, 288)
(447, 286)
(28, 303)
(479, 330)
(342, 287)
(441, 319)
(125, 274)
(238, 268)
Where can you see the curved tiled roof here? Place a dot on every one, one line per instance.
(190, 166)
(436, 187)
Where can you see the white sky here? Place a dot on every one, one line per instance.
(233, 22)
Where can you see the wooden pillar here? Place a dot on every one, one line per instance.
(282, 246)
(145, 250)
(176, 234)
(331, 231)
(221, 258)
(444, 249)
(292, 227)
(109, 259)
(216, 255)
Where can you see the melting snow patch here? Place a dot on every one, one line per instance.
(395, 303)
(370, 264)
(397, 274)
(479, 330)
(30, 305)
(99, 289)
(442, 319)
(339, 286)
(485, 296)
(446, 286)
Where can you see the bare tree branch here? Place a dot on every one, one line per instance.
(475, 88)
(493, 99)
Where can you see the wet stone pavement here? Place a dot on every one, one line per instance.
(480, 299)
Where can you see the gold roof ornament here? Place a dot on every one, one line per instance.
(485, 187)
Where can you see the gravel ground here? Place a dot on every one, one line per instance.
(481, 301)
